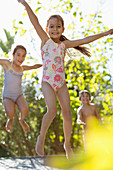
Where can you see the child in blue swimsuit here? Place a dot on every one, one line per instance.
(12, 90)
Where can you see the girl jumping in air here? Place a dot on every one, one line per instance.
(12, 90)
(53, 49)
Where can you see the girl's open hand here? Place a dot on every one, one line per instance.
(111, 31)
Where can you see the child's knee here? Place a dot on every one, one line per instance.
(10, 115)
(25, 111)
(52, 111)
(67, 115)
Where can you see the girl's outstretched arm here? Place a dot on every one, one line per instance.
(34, 20)
(26, 67)
(86, 40)
(5, 63)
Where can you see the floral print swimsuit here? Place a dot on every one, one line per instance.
(53, 64)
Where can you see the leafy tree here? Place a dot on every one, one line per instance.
(8, 44)
(81, 73)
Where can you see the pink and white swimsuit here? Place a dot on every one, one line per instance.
(53, 64)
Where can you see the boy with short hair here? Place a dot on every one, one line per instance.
(86, 110)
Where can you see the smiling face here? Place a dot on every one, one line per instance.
(55, 28)
(85, 98)
(19, 56)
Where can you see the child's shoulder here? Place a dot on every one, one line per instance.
(93, 105)
(7, 64)
(8, 61)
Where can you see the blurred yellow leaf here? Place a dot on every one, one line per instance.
(99, 149)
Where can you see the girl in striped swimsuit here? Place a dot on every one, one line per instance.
(12, 90)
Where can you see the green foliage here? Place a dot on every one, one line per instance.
(99, 139)
(18, 27)
(7, 45)
(81, 73)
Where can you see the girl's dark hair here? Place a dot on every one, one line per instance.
(19, 47)
(82, 92)
(82, 49)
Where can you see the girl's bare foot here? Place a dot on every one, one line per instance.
(68, 150)
(24, 125)
(9, 125)
(39, 147)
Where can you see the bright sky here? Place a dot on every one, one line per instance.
(90, 6)
(11, 9)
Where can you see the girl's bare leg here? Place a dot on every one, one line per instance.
(23, 108)
(50, 99)
(64, 99)
(9, 106)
